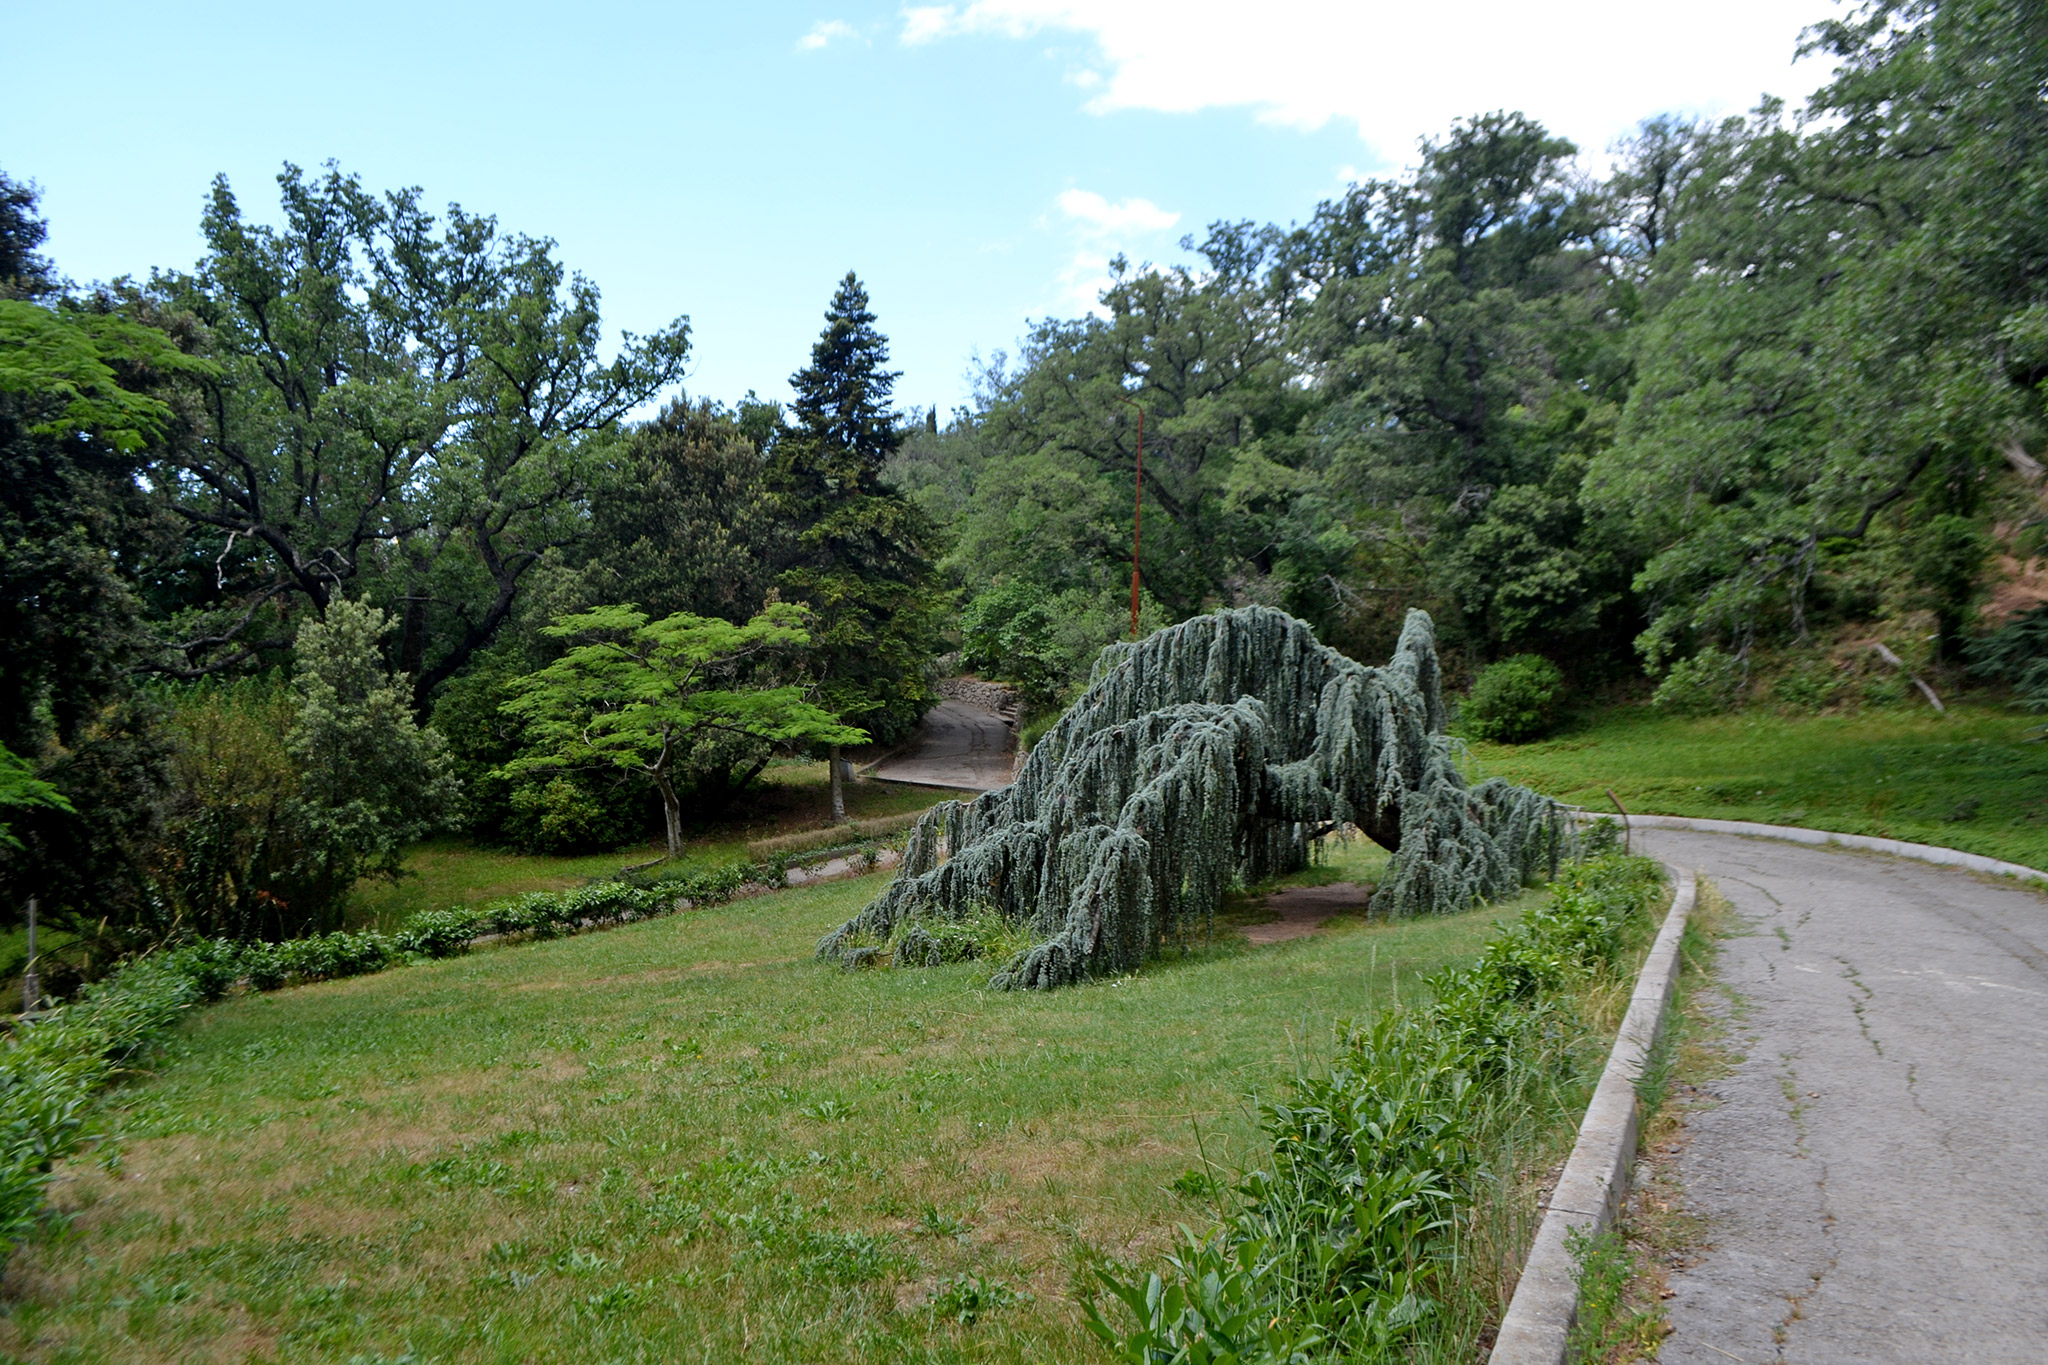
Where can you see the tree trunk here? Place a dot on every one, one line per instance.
(672, 811)
(838, 767)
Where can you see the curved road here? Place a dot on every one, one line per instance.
(1874, 1172)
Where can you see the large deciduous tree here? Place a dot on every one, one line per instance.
(399, 404)
(1854, 334)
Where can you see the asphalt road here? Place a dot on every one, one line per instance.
(957, 745)
(1874, 1173)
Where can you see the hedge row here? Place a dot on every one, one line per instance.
(52, 1065)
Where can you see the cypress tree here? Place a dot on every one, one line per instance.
(858, 558)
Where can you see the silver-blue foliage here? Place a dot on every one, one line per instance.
(1215, 752)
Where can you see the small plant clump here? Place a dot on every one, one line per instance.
(1217, 751)
(1707, 684)
(1515, 700)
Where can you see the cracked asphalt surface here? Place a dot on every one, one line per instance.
(1874, 1173)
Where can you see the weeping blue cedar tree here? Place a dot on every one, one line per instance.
(1216, 751)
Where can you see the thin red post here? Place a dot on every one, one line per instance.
(1137, 514)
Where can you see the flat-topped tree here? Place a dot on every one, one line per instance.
(1215, 752)
(640, 695)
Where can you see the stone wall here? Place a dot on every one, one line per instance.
(987, 695)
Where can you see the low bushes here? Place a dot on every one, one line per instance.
(51, 1066)
(1350, 1241)
(1514, 700)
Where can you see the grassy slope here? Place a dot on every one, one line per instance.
(1900, 774)
(513, 1156)
(791, 796)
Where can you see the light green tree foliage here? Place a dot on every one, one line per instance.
(1853, 327)
(1047, 643)
(371, 781)
(644, 695)
(20, 787)
(1216, 751)
(1201, 351)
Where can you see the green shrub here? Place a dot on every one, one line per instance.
(1514, 700)
(2016, 653)
(563, 815)
(1342, 1243)
(1704, 685)
(934, 941)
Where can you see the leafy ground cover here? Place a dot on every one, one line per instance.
(791, 796)
(683, 1139)
(1969, 780)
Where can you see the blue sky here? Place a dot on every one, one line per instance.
(976, 163)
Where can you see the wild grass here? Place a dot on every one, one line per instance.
(685, 1140)
(1970, 780)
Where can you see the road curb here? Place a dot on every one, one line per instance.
(1595, 1180)
(1798, 834)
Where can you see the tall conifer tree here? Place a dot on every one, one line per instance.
(859, 558)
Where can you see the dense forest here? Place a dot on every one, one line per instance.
(358, 530)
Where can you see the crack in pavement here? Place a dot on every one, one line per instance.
(1872, 1178)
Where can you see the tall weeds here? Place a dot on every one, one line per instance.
(1397, 1194)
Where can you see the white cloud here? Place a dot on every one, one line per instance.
(1097, 217)
(823, 32)
(1396, 72)
(1100, 228)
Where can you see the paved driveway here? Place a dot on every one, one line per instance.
(957, 745)
(1875, 1171)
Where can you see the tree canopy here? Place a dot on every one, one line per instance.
(640, 694)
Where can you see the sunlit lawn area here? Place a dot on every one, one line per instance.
(1970, 780)
(682, 1140)
(789, 796)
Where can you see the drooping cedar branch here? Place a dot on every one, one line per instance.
(1214, 752)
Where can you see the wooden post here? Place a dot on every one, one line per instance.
(1624, 820)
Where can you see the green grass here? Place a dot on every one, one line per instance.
(790, 796)
(682, 1140)
(1968, 780)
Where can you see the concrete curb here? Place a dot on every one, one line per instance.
(1926, 853)
(1595, 1181)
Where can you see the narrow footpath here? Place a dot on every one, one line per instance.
(1874, 1172)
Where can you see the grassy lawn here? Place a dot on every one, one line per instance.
(1967, 780)
(789, 796)
(682, 1140)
